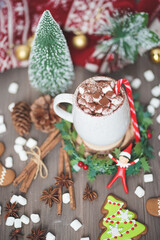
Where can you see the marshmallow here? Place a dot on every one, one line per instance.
(25, 219)
(158, 119)
(1, 119)
(10, 221)
(23, 155)
(155, 102)
(18, 148)
(85, 238)
(148, 178)
(31, 143)
(106, 89)
(129, 78)
(3, 128)
(50, 236)
(22, 201)
(0, 210)
(11, 106)
(156, 91)
(13, 88)
(76, 167)
(151, 110)
(76, 225)
(20, 141)
(35, 218)
(9, 162)
(159, 153)
(66, 198)
(81, 90)
(17, 223)
(158, 137)
(139, 192)
(149, 76)
(136, 83)
(13, 199)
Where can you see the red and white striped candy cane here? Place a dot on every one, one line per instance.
(131, 105)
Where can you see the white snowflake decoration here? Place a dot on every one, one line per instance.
(124, 215)
(115, 231)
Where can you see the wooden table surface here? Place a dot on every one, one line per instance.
(88, 213)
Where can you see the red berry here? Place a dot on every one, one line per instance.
(80, 164)
(85, 167)
(149, 135)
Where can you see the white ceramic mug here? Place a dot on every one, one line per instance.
(95, 130)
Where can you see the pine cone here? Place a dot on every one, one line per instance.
(21, 118)
(43, 115)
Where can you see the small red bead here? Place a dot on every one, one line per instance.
(118, 204)
(125, 222)
(121, 235)
(113, 215)
(132, 228)
(118, 212)
(127, 232)
(80, 164)
(114, 203)
(108, 238)
(110, 203)
(85, 167)
(108, 218)
(106, 221)
(120, 209)
(130, 221)
(117, 222)
(135, 225)
(115, 237)
(112, 221)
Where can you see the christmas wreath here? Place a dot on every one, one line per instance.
(97, 165)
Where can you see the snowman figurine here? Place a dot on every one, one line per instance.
(123, 164)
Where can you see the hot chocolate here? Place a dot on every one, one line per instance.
(98, 98)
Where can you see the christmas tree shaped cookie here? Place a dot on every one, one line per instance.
(50, 65)
(119, 223)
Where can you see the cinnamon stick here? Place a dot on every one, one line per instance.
(60, 170)
(71, 188)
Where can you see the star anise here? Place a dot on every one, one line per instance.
(89, 194)
(63, 180)
(50, 196)
(12, 210)
(15, 234)
(37, 234)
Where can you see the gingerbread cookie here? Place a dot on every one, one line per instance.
(153, 206)
(119, 223)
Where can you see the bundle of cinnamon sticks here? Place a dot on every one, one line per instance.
(27, 175)
(64, 160)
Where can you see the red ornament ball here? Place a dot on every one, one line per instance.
(149, 134)
(110, 57)
(85, 167)
(80, 164)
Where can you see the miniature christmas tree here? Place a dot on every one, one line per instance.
(118, 222)
(50, 65)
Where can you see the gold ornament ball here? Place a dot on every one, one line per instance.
(155, 55)
(30, 41)
(22, 52)
(80, 41)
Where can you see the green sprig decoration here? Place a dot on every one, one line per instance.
(129, 36)
(97, 165)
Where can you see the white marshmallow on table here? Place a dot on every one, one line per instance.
(156, 91)
(20, 141)
(136, 83)
(21, 200)
(1, 119)
(50, 236)
(76, 167)
(3, 128)
(158, 137)
(25, 219)
(18, 148)
(10, 221)
(23, 155)
(17, 223)
(11, 106)
(159, 153)
(31, 143)
(151, 110)
(13, 88)
(149, 75)
(0, 210)
(65, 198)
(9, 162)
(158, 119)
(148, 178)
(139, 192)
(35, 218)
(76, 225)
(155, 102)
(85, 238)
(13, 199)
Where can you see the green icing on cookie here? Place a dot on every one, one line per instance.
(119, 223)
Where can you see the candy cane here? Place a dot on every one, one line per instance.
(131, 105)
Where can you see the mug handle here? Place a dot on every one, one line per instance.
(63, 98)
